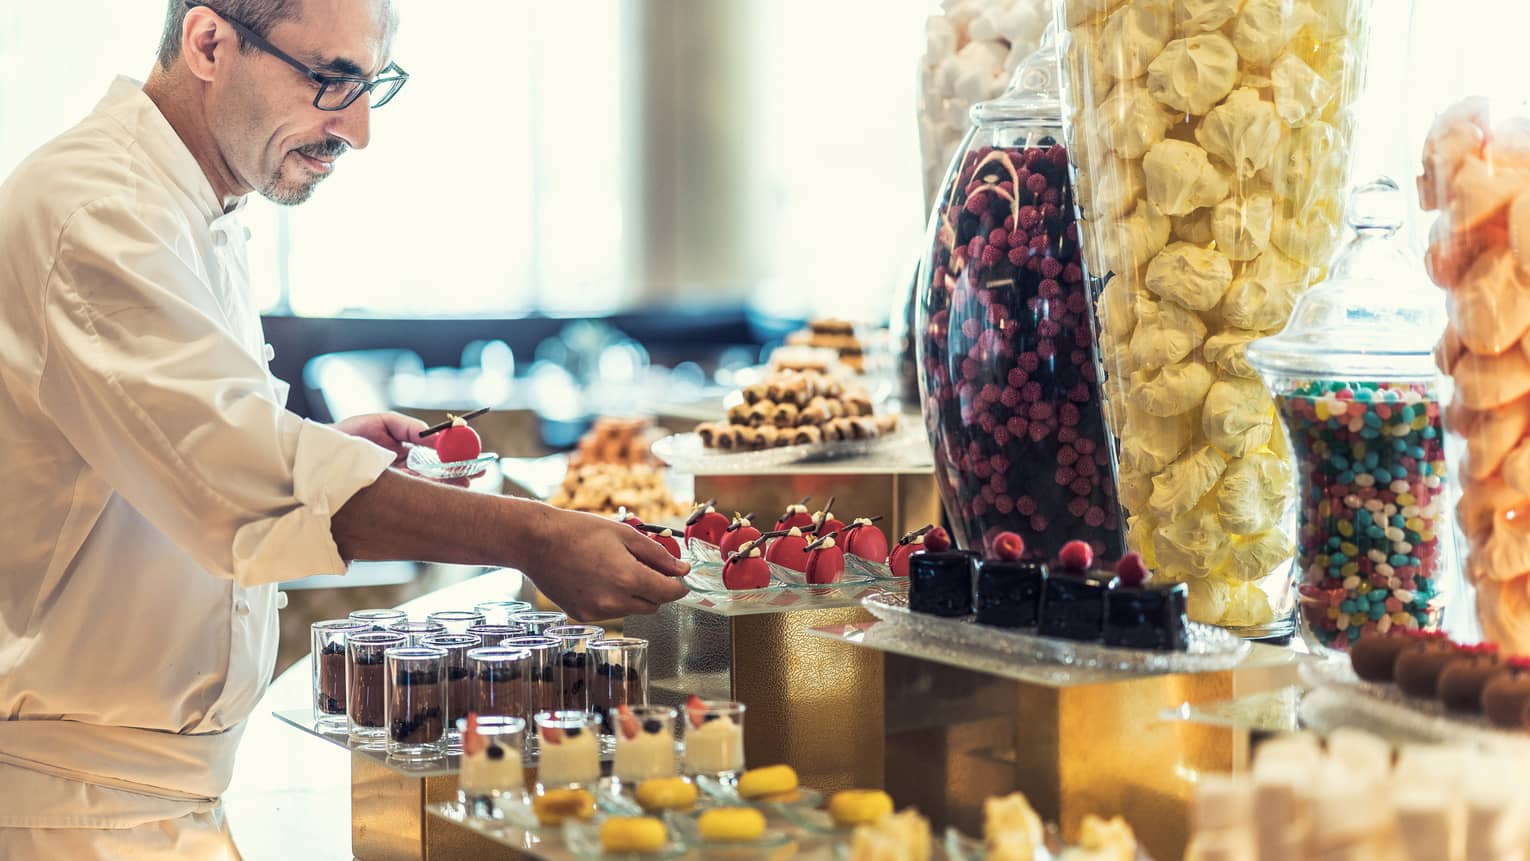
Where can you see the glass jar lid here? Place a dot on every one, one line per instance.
(1375, 317)
(1034, 92)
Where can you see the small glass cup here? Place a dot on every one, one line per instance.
(379, 619)
(495, 773)
(417, 632)
(456, 621)
(459, 679)
(416, 702)
(621, 676)
(544, 695)
(328, 660)
(491, 635)
(715, 747)
(365, 688)
(575, 664)
(499, 612)
(537, 624)
(645, 744)
(570, 749)
(501, 686)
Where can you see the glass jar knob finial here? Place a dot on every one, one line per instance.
(1377, 207)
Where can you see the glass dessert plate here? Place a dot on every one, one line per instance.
(583, 839)
(707, 578)
(725, 794)
(869, 568)
(686, 824)
(685, 452)
(1211, 648)
(1339, 698)
(423, 460)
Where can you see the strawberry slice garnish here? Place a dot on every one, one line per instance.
(696, 708)
(473, 743)
(552, 735)
(629, 723)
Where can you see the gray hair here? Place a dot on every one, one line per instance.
(259, 15)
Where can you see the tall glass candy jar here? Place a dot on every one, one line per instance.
(1355, 382)
(1210, 142)
(1007, 369)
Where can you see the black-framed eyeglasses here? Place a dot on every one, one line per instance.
(336, 92)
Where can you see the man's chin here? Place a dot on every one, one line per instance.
(289, 193)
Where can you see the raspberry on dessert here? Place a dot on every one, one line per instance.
(1132, 570)
(1076, 556)
(1008, 546)
(937, 540)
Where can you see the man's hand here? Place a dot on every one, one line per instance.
(389, 430)
(595, 568)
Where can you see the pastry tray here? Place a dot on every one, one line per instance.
(1338, 698)
(1211, 648)
(684, 451)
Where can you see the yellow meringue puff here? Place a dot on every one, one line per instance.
(1194, 228)
(1241, 225)
(1309, 235)
(1226, 352)
(1118, 185)
(1149, 443)
(1262, 296)
(1263, 29)
(1238, 416)
(1242, 132)
(1247, 606)
(1130, 120)
(1248, 558)
(1204, 16)
(1166, 333)
(1134, 488)
(1171, 390)
(1139, 535)
(1254, 492)
(1181, 178)
(1187, 481)
(1192, 276)
(1301, 94)
(1191, 543)
(1118, 309)
(1208, 600)
(1130, 245)
(1135, 34)
(1193, 74)
(1308, 165)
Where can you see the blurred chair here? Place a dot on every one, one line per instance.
(353, 383)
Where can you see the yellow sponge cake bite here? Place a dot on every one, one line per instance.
(772, 783)
(666, 793)
(632, 834)
(859, 807)
(731, 825)
(558, 805)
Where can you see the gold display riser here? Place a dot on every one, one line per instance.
(389, 822)
(955, 737)
(809, 702)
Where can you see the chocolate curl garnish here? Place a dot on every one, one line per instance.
(909, 538)
(700, 512)
(738, 522)
(789, 508)
(776, 534)
(872, 519)
(656, 530)
(818, 542)
(827, 510)
(467, 417)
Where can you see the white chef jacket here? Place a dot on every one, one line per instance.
(155, 489)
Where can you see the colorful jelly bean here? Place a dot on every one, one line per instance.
(1372, 501)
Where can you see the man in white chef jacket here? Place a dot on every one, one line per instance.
(156, 490)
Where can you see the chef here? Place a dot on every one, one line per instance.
(156, 489)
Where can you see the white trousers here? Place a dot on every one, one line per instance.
(194, 837)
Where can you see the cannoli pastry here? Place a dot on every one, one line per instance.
(761, 414)
(806, 435)
(814, 413)
(738, 414)
(784, 415)
(755, 393)
(708, 432)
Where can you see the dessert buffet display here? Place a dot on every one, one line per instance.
(613, 469)
(1432, 673)
(1007, 374)
(1356, 386)
(796, 408)
(1354, 797)
(1210, 143)
(1476, 174)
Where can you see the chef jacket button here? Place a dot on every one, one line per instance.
(242, 607)
(269, 351)
(249, 234)
(281, 600)
(219, 238)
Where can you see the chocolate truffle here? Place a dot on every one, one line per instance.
(940, 583)
(1506, 698)
(1375, 658)
(1073, 605)
(1009, 593)
(1464, 677)
(1419, 666)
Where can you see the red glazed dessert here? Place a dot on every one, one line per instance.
(826, 561)
(789, 551)
(746, 569)
(706, 525)
(458, 442)
(908, 545)
(824, 522)
(740, 532)
(797, 516)
(862, 538)
(665, 536)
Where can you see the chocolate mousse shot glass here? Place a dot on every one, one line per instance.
(456, 621)
(418, 632)
(328, 660)
(621, 676)
(499, 612)
(459, 682)
(379, 619)
(500, 681)
(543, 692)
(537, 624)
(575, 665)
(365, 699)
(493, 635)
(416, 702)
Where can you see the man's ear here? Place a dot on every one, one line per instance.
(203, 35)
